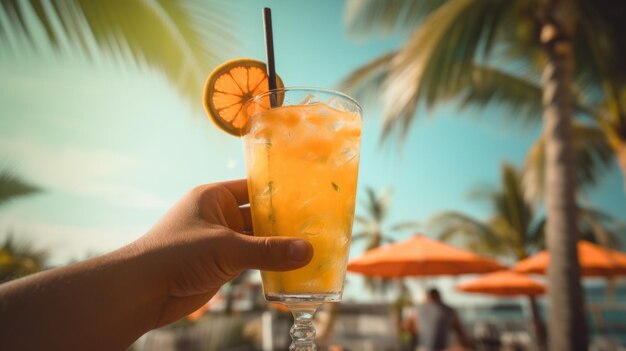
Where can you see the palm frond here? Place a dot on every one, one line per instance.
(360, 235)
(366, 16)
(184, 40)
(512, 229)
(486, 248)
(482, 192)
(519, 96)
(20, 258)
(366, 82)
(407, 225)
(597, 214)
(477, 236)
(485, 87)
(593, 154)
(361, 220)
(514, 206)
(611, 116)
(534, 171)
(438, 57)
(376, 206)
(508, 204)
(535, 240)
(510, 242)
(494, 87)
(599, 44)
(520, 38)
(601, 227)
(12, 187)
(446, 225)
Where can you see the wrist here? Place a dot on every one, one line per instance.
(147, 274)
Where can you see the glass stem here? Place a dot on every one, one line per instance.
(303, 332)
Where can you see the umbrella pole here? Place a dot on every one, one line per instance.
(540, 328)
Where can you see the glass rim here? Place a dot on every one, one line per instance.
(311, 89)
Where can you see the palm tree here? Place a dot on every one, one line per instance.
(515, 230)
(371, 224)
(455, 45)
(18, 259)
(183, 39)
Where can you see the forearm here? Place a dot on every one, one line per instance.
(103, 303)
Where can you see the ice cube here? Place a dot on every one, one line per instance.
(309, 99)
(352, 125)
(262, 135)
(335, 125)
(344, 156)
(336, 104)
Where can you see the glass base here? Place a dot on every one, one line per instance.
(291, 299)
(303, 331)
(303, 307)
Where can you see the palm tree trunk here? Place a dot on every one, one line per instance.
(540, 328)
(567, 323)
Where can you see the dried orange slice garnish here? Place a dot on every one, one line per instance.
(229, 87)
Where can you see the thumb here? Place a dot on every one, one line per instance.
(271, 253)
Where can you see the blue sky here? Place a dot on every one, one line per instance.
(113, 144)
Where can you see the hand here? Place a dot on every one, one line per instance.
(107, 302)
(199, 245)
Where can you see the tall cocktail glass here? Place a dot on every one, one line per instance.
(302, 159)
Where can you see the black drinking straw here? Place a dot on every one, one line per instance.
(269, 51)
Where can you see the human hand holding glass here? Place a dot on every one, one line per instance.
(179, 264)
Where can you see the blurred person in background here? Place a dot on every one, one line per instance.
(435, 320)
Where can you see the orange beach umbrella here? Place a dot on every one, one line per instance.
(503, 283)
(595, 261)
(420, 256)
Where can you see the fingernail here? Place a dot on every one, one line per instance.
(298, 250)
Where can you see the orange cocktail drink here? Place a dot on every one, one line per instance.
(302, 159)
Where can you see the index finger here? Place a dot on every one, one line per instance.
(239, 189)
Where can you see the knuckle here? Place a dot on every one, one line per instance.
(272, 253)
(207, 191)
(197, 191)
(267, 247)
